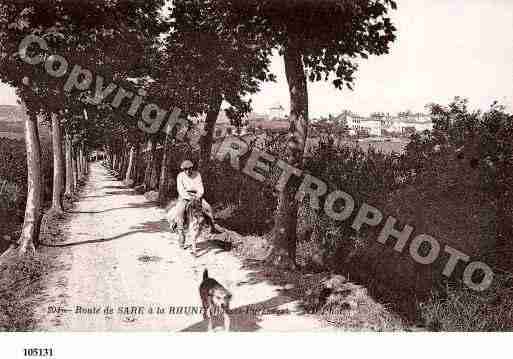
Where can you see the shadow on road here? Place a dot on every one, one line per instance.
(152, 226)
(210, 245)
(92, 241)
(99, 196)
(127, 192)
(130, 206)
(206, 244)
(245, 318)
(115, 187)
(290, 289)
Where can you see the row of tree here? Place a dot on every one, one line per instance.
(200, 54)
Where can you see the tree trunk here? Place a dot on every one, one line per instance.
(85, 158)
(121, 160)
(110, 157)
(75, 168)
(78, 158)
(70, 188)
(164, 172)
(138, 165)
(150, 164)
(126, 160)
(122, 155)
(119, 163)
(114, 159)
(32, 221)
(283, 253)
(131, 160)
(210, 124)
(58, 165)
(155, 171)
(82, 161)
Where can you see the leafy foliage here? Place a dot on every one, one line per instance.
(102, 37)
(331, 34)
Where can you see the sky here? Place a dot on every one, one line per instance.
(444, 48)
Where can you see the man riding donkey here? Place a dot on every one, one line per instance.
(190, 187)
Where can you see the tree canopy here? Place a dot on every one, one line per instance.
(331, 34)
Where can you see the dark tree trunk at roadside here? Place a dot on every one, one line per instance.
(58, 166)
(110, 156)
(85, 158)
(70, 183)
(121, 162)
(138, 166)
(126, 159)
(283, 253)
(121, 159)
(155, 171)
(164, 172)
(121, 172)
(151, 165)
(210, 124)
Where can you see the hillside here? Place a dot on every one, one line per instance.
(11, 123)
(10, 113)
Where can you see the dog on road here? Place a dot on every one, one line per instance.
(216, 302)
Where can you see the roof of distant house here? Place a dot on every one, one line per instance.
(273, 125)
(418, 118)
(276, 106)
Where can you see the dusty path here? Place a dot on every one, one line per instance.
(120, 253)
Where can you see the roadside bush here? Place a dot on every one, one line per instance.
(8, 195)
(455, 186)
(366, 176)
(14, 167)
(462, 309)
(13, 183)
(19, 280)
(458, 190)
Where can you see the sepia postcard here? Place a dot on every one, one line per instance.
(307, 166)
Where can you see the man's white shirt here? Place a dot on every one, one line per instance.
(185, 183)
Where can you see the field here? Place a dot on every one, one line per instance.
(11, 135)
(379, 144)
(15, 130)
(396, 145)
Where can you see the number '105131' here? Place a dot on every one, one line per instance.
(38, 352)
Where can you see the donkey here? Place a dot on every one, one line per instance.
(194, 221)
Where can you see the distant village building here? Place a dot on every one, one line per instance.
(273, 122)
(358, 124)
(276, 111)
(380, 123)
(419, 121)
(258, 126)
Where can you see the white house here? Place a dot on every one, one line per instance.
(419, 122)
(378, 123)
(358, 124)
(276, 110)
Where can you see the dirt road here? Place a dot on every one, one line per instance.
(120, 255)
